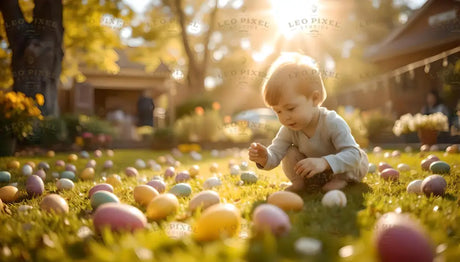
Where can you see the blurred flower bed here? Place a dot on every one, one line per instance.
(412, 123)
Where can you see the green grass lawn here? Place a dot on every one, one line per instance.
(345, 233)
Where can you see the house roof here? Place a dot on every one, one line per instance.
(422, 31)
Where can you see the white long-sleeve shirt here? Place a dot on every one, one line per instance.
(332, 140)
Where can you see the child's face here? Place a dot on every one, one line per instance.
(294, 110)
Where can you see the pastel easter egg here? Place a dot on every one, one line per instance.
(425, 164)
(216, 222)
(434, 185)
(212, 182)
(196, 156)
(131, 172)
(13, 164)
(27, 170)
(408, 149)
(143, 194)
(91, 163)
(204, 200)
(9, 194)
(84, 154)
(101, 197)
(249, 177)
(114, 180)
(377, 150)
(54, 203)
(31, 163)
(170, 172)
(396, 153)
(159, 185)
(87, 173)
(97, 153)
(434, 148)
(24, 208)
(72, 157)
(398, 238)
(43, 165)
(334, 198)
(65, 184)
(386, 155)
(371, 168)
(41, 173)
(390, 174)
(151, 163)
(50, 153)
(182, 176)
(98, 187)
(59, 164)
(214, 168)
(118, 217)
(440, 167)
(71, 167)
(433, 157)
(110, 153)
(415, 187)
(383, 166)
(108, 164)
(68, 174)
(140, 164)
(403, 167)
(286, 200)
(156, 167)
(181, 190)
(35, 185)
(270, 218)
(453, 149)
(162, 206)
(194, 170)
(234, 170)
(424, 148)
(5, 176)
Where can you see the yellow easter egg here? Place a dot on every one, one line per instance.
(143, 194)
(194, 170)
(162, 206)
(285, 200)
(72, 158)
(114, 180)
(218, 221)
(204, 200)
(50, 153)
(87, 173)
(9, 194)
(13, 164)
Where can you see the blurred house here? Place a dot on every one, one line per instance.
(114, 96)
(413, 57)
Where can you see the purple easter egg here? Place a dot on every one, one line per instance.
(59, 163)
(182, 176)
(390, 174)
(170, 172)
(103, 186)
(159, 185)
(41, 173)
(71, 167)
(108, 164)
(91, 163)
(131, 172)
(34, 185)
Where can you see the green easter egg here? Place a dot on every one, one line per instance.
(68, 174)
(102, 197)
(249, 177)
(439, 167)
(181, 190)
(5, 176)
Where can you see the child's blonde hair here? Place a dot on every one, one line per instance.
(298, 71)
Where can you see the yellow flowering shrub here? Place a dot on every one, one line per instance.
(17, 113)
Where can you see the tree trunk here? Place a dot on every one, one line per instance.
(36, 48)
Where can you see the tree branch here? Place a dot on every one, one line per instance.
(180, 13)
(212, 25)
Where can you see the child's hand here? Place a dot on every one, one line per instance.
(258, 153)
(309, 167)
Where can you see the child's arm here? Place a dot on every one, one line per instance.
(275, 152)
(348, 156)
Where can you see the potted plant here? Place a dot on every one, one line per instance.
(17, 115)
(426, 126)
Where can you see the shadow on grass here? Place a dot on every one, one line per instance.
(332, 226)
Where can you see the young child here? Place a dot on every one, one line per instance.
(312, 141)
